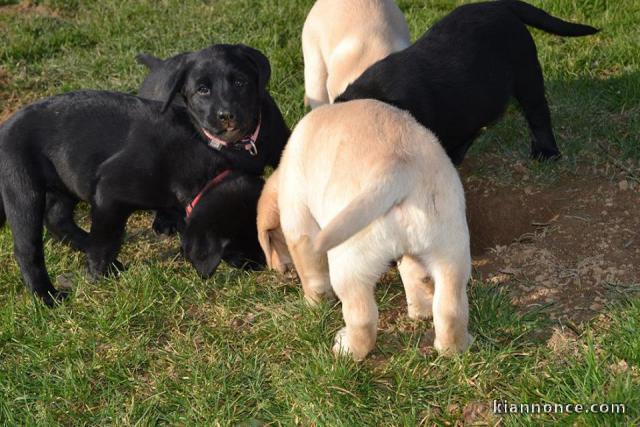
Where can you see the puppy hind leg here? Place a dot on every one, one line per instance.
(529, 91)
(24, 205)
(450, 305)
(419, 293)
(59, 221)
(311, 266)
(354, 278)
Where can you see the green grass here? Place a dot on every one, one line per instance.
(159, 345)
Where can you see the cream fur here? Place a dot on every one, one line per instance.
(270, 234)
(366, 181)
(342, 38)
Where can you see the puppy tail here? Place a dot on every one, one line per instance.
(150, 61)
(371, 204)
(540, 19)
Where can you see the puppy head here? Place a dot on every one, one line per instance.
(204, 251)
(222, 226)
(270, 233)
(222, 87)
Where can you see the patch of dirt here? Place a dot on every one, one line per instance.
(498, 216)
(572, 246)
(28, 8)
(563, 342)
(478, 413)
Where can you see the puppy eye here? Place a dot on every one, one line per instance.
(203, 90)
(239, 83)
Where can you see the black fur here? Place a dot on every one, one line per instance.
(459, 76)
(223, 222)
(219, 68)
(119, 153)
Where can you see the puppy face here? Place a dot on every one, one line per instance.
(222, 87)
(204, 251)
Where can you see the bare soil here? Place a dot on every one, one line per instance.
(572, 246)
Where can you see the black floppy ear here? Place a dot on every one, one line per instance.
(149, 61)
(261, 63)
(175, 82)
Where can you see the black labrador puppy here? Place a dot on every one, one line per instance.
(459, 76)
(120, 153)
(224, 89)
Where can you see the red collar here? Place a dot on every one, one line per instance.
(215, 181)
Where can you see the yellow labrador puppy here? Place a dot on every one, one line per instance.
(342, 38)
(365, 182)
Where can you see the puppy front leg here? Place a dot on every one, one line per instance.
(313, 270)
(108, 221)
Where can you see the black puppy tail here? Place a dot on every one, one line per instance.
(540, 19)
(149, 61)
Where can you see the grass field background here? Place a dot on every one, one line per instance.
(159, 345)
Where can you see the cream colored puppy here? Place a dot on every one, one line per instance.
(365, 182)
(342, 38)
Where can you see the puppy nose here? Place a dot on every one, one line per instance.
(225, 116)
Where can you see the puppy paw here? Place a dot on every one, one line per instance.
(343, 348)
(54, 297)
(314, 298)
(450, 348)
(545, 154)
(100, 269)
(115, 268)
(341, 344)
(420, 310)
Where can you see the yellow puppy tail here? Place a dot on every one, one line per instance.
(374, 202)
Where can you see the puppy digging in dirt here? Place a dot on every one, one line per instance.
(372, 189)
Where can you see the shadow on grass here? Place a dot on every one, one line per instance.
(584, 112)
